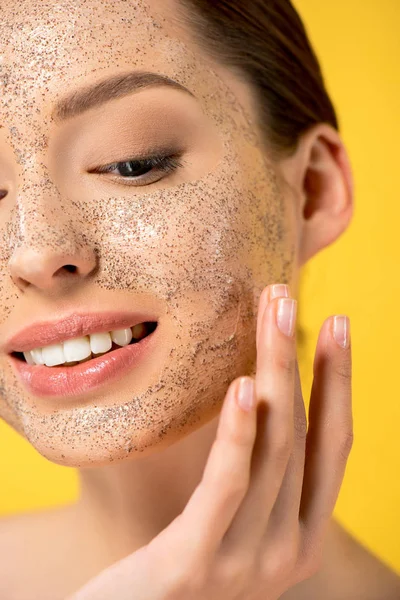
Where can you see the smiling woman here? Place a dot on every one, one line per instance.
(164, 163)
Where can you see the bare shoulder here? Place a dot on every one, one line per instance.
(18, 535)
(18, 532)
(349, 572)
(35, 549)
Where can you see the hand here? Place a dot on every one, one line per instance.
(256, 523)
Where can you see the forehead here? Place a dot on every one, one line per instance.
(47, 47)
(55, 29)
(50, 48)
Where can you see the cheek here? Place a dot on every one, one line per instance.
(195, 236)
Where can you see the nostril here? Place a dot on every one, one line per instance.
(70, 268)
(3, 194)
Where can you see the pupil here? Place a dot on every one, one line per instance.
(132, 168)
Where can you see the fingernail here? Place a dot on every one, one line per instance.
(341, 330)
(270, 292)
(245, 395)
(279, 289)
(286, 315)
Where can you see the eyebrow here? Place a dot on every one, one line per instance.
(109, 89)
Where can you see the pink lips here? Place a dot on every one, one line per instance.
(84, 377)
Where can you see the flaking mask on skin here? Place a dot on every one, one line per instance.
(197, 246)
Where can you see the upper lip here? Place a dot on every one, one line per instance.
(74, 325)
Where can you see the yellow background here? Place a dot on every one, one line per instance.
(358, 44)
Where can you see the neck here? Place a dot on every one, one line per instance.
(131, 502)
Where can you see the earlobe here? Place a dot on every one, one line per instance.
(326, 188)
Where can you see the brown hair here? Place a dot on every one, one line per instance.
(265, 41)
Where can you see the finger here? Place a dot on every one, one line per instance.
(284, 518)
(213, 504)
(271, 291)
(330, 433)
(275, 395)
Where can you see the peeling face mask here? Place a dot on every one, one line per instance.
(192, 240)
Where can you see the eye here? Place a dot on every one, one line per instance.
(141, 171)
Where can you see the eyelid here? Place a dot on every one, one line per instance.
(152, 152)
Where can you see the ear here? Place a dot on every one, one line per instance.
(319, 175)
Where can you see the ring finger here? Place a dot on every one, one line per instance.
(284, 518)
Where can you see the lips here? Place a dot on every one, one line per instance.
(75, 325)
(61, 382)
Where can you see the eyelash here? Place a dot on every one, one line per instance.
(161, 163)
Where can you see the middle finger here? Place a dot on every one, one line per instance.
(274, 388)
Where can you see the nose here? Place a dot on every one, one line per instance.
(50, 247)
(50, 269)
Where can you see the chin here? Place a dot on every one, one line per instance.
(97, 451)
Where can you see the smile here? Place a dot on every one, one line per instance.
(79, 365)
(81, 349)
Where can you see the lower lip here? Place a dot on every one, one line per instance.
(60, 382)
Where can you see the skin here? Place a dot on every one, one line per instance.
(197, 247)
(62, 217)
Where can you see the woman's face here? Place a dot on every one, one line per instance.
(194, 245)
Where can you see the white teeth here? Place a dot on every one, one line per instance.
(76, 349)
(28, 358)
(100, 342)
(122, 337)
(53, 355)
(81, 349)
(37, 356)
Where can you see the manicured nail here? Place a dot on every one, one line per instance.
(269, 293)
(286, 315)
(274, 291)
(245, 395)
(341, 330)
(278, 290)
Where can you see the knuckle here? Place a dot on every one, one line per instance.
(234, 572)
(235, 493)
(279, 563)
(342, 369)
(345, 443)
(226, 438)
(240, 437)
(285, 362)
(233, 485)
(229, 438)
